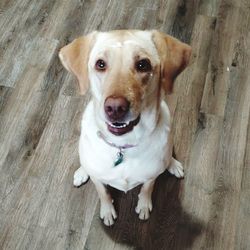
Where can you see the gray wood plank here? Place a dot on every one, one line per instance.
(4, 94)
(230, 166)
(241, 63)
(209, 8)
(184, 20)
(195, 135)
(230, 162)
(243, 218)
(46, 201)
(14, 115)
(19, 27)
(216, 88)
(189, 88)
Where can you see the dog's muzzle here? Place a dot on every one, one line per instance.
(116, 110)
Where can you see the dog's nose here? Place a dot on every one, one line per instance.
(116, 108)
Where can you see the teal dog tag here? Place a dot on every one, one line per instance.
(119, 159)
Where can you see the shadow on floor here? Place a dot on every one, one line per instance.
(169, 227)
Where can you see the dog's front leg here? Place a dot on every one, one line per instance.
(107, 210)
(144, 205)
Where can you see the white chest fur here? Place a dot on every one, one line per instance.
(141, 163)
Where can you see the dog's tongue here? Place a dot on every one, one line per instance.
(122, 128)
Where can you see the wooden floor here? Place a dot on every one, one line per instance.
(40, 113)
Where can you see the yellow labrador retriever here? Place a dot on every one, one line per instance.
(125, 130)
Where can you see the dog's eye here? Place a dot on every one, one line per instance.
(100, 65)
(143, 65)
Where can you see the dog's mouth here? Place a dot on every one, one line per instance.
(120, 128)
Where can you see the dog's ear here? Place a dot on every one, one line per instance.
(74, 58)
(174, 57)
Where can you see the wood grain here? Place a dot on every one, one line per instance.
(40, 113)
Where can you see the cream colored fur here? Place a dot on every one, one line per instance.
(152, 135)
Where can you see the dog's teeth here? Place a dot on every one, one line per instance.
(118, 126)
(121, 126)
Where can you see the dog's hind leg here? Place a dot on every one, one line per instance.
(80, 177)
(144, 205)
(107, 210)
(175, 168)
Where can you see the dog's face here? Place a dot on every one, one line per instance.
(126, 71)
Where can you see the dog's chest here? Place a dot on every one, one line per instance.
(139, 164)
(128, 174)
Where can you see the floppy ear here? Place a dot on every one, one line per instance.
(174, 57)
(74, 58)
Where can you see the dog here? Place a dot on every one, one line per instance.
(126, 127)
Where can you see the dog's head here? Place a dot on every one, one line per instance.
(126, 71)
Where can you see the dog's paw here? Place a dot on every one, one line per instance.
(143, 208)
(80, 177)
(176, 168)
(108, 213)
